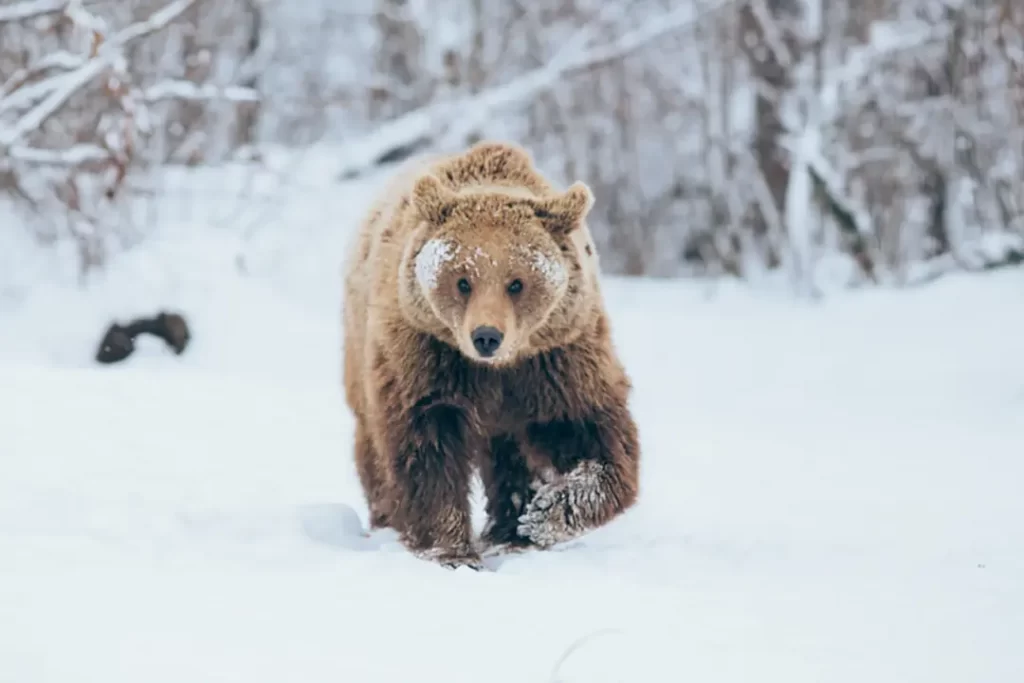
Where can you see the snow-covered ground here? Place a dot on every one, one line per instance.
(832, 491)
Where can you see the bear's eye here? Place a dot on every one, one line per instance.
(464, 286)
(515, 287)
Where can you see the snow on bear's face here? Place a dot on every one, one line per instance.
(490, 266)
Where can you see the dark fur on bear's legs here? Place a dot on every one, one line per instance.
(431, 467)
(506, 478)
(597, 457)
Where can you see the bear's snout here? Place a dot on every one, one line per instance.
(486, 340)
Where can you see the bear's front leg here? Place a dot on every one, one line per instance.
(597, 457)
(431, 467)
(506, 479)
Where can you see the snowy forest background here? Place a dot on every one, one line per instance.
(884, 136)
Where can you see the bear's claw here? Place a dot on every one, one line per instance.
(566, 508)
(471, 561)
(450, 559)
(550, 517)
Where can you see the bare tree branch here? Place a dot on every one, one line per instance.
(30, 9)
(187, 90)
(77, 155)
(450, 119)
(61, 88)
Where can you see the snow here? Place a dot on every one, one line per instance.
(27, 9)
(477, 109)
(549, 268)
(434, 254)
(830, 489)
(55, 91)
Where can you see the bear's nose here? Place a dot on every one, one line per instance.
(487, 339)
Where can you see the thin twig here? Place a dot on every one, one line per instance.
(580, 642)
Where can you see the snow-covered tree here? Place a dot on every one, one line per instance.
(718, 135)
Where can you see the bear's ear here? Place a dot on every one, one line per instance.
(432, 200)
(563, 213)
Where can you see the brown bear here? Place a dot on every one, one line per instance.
(475, 338)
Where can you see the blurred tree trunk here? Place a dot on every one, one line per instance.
(398, 84)
(772, 50)
(248, 114)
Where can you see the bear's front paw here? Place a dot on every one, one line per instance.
(455, 562)
(453, 559)
(566, 508)
(551, 517)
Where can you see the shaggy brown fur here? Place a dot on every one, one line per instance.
(476, 338)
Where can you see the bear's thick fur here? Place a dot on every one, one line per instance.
(475, 337)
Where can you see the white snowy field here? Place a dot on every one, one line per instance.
(831, 492)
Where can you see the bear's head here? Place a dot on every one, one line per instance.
(497, 271)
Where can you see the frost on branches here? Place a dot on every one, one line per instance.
(88, 99)
(719, 137)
